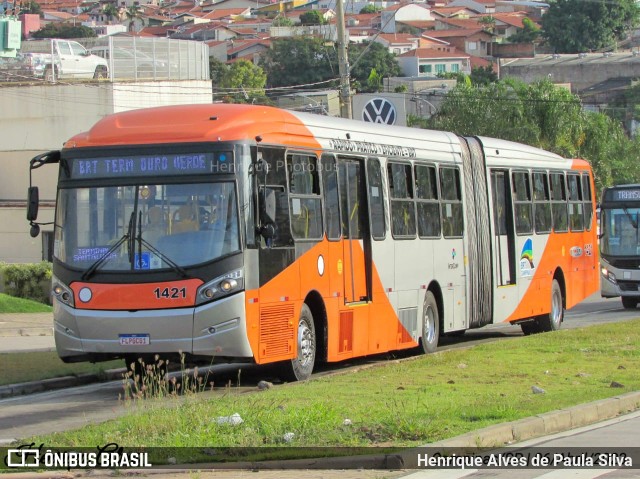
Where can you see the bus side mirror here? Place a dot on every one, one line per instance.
(33, 200)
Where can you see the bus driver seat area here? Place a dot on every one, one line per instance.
(185, 218)
(156, 225)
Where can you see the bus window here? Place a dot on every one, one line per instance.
(275, 179)
(576, 217)
(304, 189)
(427, 201)
(376, 199)
(331, 198)
(559, 202)
(541, 201)
(586, 197)
(452, 219)
(403, 215)
(523, 206)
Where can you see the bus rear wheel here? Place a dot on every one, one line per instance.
(430, 324)
(629, 303)
(553, 320)
(301, 367)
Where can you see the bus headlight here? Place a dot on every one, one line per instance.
(62, 292)
(608, 274)
(221, 286)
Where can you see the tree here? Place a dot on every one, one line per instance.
(528, 34)
(110, 11)
(216, 70)
(64, 30)
(243, 82)
(308, 60)
(370, 8)
(132, 14)
(299, 61)
(282, 22)
(312, 17)
(575, 26)
(483, 75)
(32, 7)
(488, 23)
(240, 82)
(366, 57)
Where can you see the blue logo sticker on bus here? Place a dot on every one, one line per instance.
(143, 261)
(526, 259)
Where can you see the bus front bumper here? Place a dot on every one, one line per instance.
(215, 330)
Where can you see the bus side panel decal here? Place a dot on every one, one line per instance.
(576, 273)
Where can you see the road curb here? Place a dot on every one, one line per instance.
(26, 331)
(19, 389)
(547, 423)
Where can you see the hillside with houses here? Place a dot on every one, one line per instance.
(428, 38)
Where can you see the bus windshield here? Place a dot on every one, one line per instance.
(146, 226)
(619, 229)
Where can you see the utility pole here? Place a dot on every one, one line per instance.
(343, 64)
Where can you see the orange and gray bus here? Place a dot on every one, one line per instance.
(249, 233)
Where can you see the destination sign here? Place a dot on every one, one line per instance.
(153, 165)
(627, 194)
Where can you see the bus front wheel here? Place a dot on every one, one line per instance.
(301, 366)
(629, 303)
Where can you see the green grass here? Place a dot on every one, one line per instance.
(34, 366)
(9, 304)
(398, 404)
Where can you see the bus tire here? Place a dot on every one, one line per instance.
(553, 320)
(300, 368)
(629, 302)
(430, 324)
(530, 327)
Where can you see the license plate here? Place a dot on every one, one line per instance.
(134, 339)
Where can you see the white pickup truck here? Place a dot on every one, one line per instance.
(55, 59)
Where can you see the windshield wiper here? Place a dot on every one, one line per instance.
(92, 269)
(177, 268)
(102, 259)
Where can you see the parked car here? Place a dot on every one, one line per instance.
(59, 59)
(131, 63)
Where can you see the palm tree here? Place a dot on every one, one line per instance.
(110, 11)
(132, 14)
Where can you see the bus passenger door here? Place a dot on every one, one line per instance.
(503, 238)
(353, 202)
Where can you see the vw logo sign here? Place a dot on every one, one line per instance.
(379, 110)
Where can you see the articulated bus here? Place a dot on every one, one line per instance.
(249, 233)
(620, 244)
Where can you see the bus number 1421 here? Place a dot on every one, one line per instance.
(170, 293)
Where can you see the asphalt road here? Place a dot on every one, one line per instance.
(72, 408)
